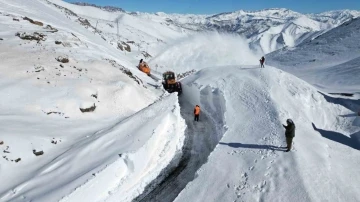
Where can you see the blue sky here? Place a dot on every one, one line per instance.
(218, 6)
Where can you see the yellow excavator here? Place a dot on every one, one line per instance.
(144, 67)
(170, 84)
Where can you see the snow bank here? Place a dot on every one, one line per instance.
(113, 163)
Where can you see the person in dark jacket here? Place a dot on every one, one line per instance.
(289, 133)
(262, 61)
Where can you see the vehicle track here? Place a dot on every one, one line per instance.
(201, 139)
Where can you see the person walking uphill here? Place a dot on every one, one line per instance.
(196, 113)
(289, 133)
(262, 61)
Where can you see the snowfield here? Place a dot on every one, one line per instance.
(80, 122)
(329, 61)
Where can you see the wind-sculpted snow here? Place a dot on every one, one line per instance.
(329, 61)
(205, 50)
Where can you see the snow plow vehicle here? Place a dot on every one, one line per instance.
(144, 67)
(170, 84)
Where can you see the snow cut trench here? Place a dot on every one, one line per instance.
(201, 139)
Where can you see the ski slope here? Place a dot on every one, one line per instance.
(139, 143)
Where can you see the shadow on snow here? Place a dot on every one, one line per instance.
(352, 141)
(254, 146)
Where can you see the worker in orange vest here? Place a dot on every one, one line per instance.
(196, 113)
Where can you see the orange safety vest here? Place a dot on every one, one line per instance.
(197, 110)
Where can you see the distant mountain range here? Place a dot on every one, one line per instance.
(105, 8)
(267, 30)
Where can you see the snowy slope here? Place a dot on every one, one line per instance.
(249, 163)
(110, 153)
(329, 61)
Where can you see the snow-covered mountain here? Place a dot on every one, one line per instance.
(330, 61)
(105, 8)
(267, 30)
(80, 122)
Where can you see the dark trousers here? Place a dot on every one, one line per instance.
(289, 142)
(262, 65)
(196, 118)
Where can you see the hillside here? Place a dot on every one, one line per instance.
(329, 61)
(267, 30)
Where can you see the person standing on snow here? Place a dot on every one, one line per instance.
(262, 61)
(289, 133)
(196, 113)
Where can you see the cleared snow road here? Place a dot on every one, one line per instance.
(201, 139)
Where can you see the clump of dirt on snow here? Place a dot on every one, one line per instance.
(34, 36)
(33, 21)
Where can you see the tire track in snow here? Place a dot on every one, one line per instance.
(201, 139)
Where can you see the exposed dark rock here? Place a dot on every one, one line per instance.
(1, 142)
(34, 36)
(67, 11)
(52, 29)
(185, 74)
(1, 39)
(17, 160)
(90, 109)
(15, 19)
(95, 96)
(58, 42)
(105, 8)
(48, 113)
(120, 47)
(127, 47)
(39, 69)
(146, 54)
(125, 71)
(38, 153)
(62, 59)
(84, 22)
(132, 42)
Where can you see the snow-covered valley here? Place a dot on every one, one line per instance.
(80, 122)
